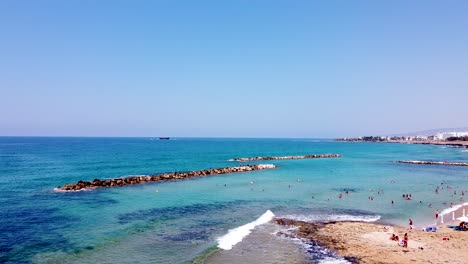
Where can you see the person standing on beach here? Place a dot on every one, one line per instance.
(405, 240)
(437, 215)
(410, 223)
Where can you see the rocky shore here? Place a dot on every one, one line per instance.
(422, 162)
(362, 242)
(312, 156)
(456, 144)
(107, 183)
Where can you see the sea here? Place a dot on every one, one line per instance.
(213, 219)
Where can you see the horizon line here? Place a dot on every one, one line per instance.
(9, 136)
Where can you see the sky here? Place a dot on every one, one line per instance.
(232, 68)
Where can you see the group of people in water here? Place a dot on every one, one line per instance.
(407, 196)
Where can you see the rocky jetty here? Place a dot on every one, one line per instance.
(107, 183)
(313, 156)
(423, 162)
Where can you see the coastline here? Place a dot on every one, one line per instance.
(364, 242)
(459, 144)
(463, 144)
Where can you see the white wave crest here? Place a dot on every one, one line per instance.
(236, 235)
(65, 191)
(330, 260)
(453, 208)
(333, 217)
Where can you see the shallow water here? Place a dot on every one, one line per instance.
(174, 222)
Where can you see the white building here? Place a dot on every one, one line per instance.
(445, 135)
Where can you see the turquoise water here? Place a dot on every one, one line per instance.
(174, 222)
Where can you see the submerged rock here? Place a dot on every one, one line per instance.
(96, 183)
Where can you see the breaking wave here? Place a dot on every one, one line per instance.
(236, 235)
(453, 208)
(333, 217)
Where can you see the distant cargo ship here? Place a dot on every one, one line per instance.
(164, 138)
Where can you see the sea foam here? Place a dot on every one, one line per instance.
(236, 235)
(453, 208)
(333, 217)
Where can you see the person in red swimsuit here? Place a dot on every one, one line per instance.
(405, 240)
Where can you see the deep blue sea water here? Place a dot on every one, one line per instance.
(173, 222)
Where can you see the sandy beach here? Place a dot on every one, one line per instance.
(362, 242)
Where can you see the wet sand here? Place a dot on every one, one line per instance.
(370, 242)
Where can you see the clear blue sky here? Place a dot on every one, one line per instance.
(232, 68)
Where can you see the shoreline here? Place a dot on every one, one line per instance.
(364, 242)
(456, 144)
(449, 215)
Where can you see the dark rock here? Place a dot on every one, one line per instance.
(313, 156)
(96, 183)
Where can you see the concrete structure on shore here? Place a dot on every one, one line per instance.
(107, 183)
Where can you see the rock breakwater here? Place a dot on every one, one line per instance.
(423, 162)
(312, 156)
(108, 183)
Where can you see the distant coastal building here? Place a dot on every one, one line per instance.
(445, 135)
(441, 136)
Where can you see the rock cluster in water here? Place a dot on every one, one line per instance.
(314, 156)
(107, 183)
(422, 162)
